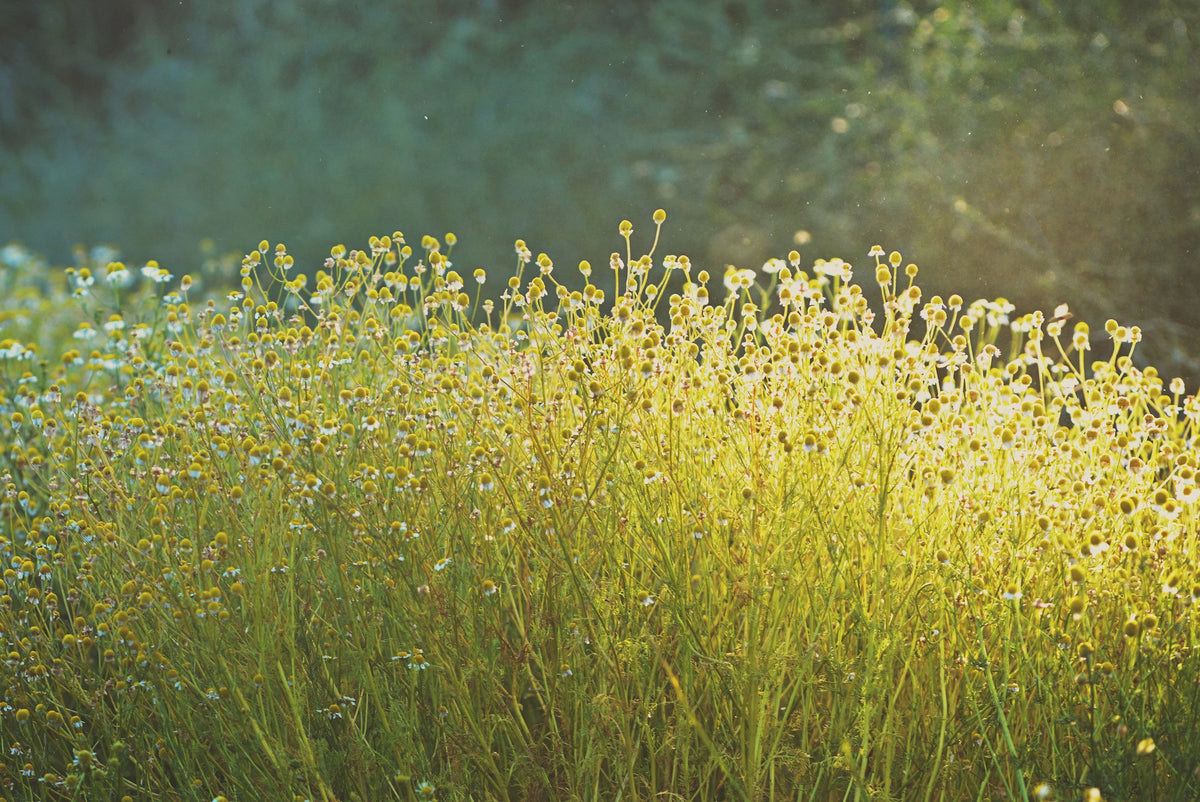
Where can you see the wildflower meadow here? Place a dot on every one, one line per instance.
(625, 531)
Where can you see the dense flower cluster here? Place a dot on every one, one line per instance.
(365, 533)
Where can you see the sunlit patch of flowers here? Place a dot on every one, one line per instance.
(916, 546)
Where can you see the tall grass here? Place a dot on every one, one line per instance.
(365, 536)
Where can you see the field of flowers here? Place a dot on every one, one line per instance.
(374, 534)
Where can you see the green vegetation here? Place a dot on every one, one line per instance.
(367, 535)
(1040, 150)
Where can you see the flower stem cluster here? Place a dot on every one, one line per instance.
(371, 533)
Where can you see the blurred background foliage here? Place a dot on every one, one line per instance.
(1042, 151)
